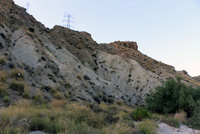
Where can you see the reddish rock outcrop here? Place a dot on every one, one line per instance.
(128, 44)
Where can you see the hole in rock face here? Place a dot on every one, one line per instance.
(1, 45)
(3, 35)
(31, 29)
(86, 77)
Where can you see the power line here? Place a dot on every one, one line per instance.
(67, 21)
(27, 6)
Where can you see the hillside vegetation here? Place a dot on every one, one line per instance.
(60, 81)
(176, 97)
(173, 103)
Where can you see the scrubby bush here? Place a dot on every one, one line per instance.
(2, 59)
(147, 127)
(6, 99)
(58, 95)
(26, 92)
(171, 121)
(172, 97)
(18, 86)
(78, 77)
(62, 117)
(119, 128)
(140, 113)
(3, 76)
(194, 121)
(68, 85)
(3, 88)
(66, 94)
(17, 74)
(38, 99)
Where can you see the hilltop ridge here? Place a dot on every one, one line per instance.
(61, 62)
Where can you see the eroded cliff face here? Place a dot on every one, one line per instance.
(73, 64)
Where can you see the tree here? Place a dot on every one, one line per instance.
(173, 96)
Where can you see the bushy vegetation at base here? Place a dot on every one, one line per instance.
(65, 117)
(140, 113)
(173, 97)
(147, 127)
(194, 121)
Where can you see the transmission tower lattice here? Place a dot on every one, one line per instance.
(27, 6)
(67, 21)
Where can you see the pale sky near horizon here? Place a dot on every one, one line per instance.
(166, 30)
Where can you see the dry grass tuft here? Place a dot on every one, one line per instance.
(18, 86)
(58, 103)
(63, 117)
(17, 74)
(147, 127)
(58, 95)
(3, 76)
(3, 88)
(2, 59)
(181, 116)
(119, 128)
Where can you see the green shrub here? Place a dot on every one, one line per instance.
(38, 99)
(103, 62)
(172, 97)
(140, 114)
(6, 99)
(50, 125)
(147, 127)
(194, 121)
(68, 85)
(18, 86)
(26, 95)
(52, 91)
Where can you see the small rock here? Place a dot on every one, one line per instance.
(177, 130)
(37, 132)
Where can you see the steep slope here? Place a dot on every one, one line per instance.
(61, 62)
(197, 78)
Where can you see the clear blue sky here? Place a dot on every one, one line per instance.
(166, 30)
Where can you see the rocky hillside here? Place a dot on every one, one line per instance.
(59, 62)
(197, 78)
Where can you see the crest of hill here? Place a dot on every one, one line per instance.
(61, 62)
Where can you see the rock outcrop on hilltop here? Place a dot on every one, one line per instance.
(127, 44)
(71, 64)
